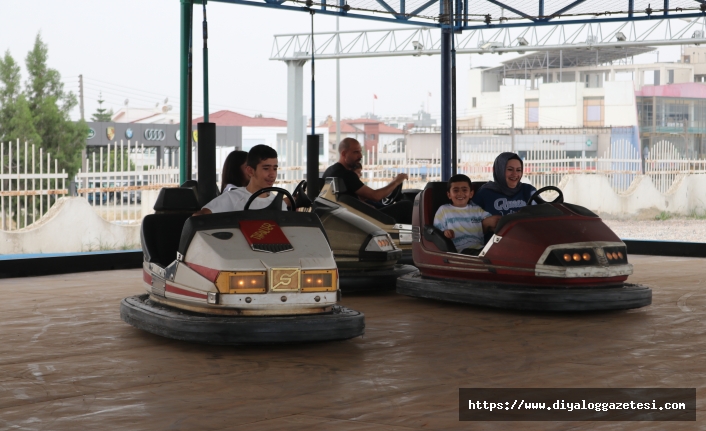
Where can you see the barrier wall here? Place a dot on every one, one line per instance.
(71, 225)
(686, 196)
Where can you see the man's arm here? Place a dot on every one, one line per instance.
(376, 195)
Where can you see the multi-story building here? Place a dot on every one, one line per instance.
(601, 90)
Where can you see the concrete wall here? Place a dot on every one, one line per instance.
(71, 225)
(688, 195)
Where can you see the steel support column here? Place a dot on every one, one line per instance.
(184, 120)
(295, 106)
(446, 142)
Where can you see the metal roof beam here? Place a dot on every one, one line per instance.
(512, 9)
(417, 41)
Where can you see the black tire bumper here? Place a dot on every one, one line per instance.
(371, 281)
(519, 297)
(341, 324)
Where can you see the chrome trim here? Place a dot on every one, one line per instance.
(493, 240)
(580, 272)
(402, 226)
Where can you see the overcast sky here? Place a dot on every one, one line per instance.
(129, 49)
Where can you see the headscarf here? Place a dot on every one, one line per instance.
(500, 184)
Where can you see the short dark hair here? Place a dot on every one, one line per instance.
(259, 153)
(458, 178)
(345, 144)
(231, 173)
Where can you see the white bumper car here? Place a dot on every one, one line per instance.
(253, 276)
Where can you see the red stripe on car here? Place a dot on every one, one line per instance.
(146, 277)
(208, 273)
(179, 291)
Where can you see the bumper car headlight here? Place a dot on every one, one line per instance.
(616, 255)
(319, 280)
(571, 257)
(242, 282)
(380, 243)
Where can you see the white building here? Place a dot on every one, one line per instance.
(598, 89)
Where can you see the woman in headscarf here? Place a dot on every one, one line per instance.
(505, 194)
(233, 173)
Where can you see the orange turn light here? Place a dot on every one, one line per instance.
(586, 256)
(567, 257)
(620, 255)
(577, 257)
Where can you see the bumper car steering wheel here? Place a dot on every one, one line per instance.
(276, 204)
(535, 196)
(392, 197)
(300, 196)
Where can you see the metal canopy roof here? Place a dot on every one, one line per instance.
(571, 57)
(470, 14)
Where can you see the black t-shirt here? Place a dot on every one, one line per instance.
(350, 179)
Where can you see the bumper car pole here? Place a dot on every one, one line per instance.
(312, 140)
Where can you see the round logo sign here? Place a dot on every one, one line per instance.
(128, 133)
(91, 133)
(154, 134)
(177, 135)
(589, 143)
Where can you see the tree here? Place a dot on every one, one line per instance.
(15, 117)
(50, 105)
(102, 115)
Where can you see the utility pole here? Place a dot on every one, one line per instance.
(338, 90)
(512, 126)
(80, 95)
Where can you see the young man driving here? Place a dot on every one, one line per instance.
(262, 170)
(350, 154)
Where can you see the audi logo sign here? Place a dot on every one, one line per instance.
(155, 134)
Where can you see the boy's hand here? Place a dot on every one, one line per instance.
(448, 233)
(489, 223)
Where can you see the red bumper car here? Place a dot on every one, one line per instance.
(550, 256)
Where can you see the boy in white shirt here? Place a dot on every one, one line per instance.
(262, 170)
(463, 221)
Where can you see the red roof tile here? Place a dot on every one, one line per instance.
(230, 118)
(347, 126)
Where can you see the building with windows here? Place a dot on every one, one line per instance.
(596, 89)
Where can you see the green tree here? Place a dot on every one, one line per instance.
(15, 116)
(102, 115)
(50, 106)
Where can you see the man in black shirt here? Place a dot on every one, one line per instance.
(351, 153)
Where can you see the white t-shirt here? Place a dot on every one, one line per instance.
(235, 200)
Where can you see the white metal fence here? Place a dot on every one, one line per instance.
(112, 183)
(28, 187)
(30, 182)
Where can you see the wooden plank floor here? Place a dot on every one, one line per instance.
(68, 362)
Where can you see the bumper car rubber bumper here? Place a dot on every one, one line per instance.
(140, 312)
(520, 297)
(351, 281)
(406, 258)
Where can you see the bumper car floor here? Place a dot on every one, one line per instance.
(69, 362)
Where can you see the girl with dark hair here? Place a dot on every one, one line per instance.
(505, 194)
(233, 174)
